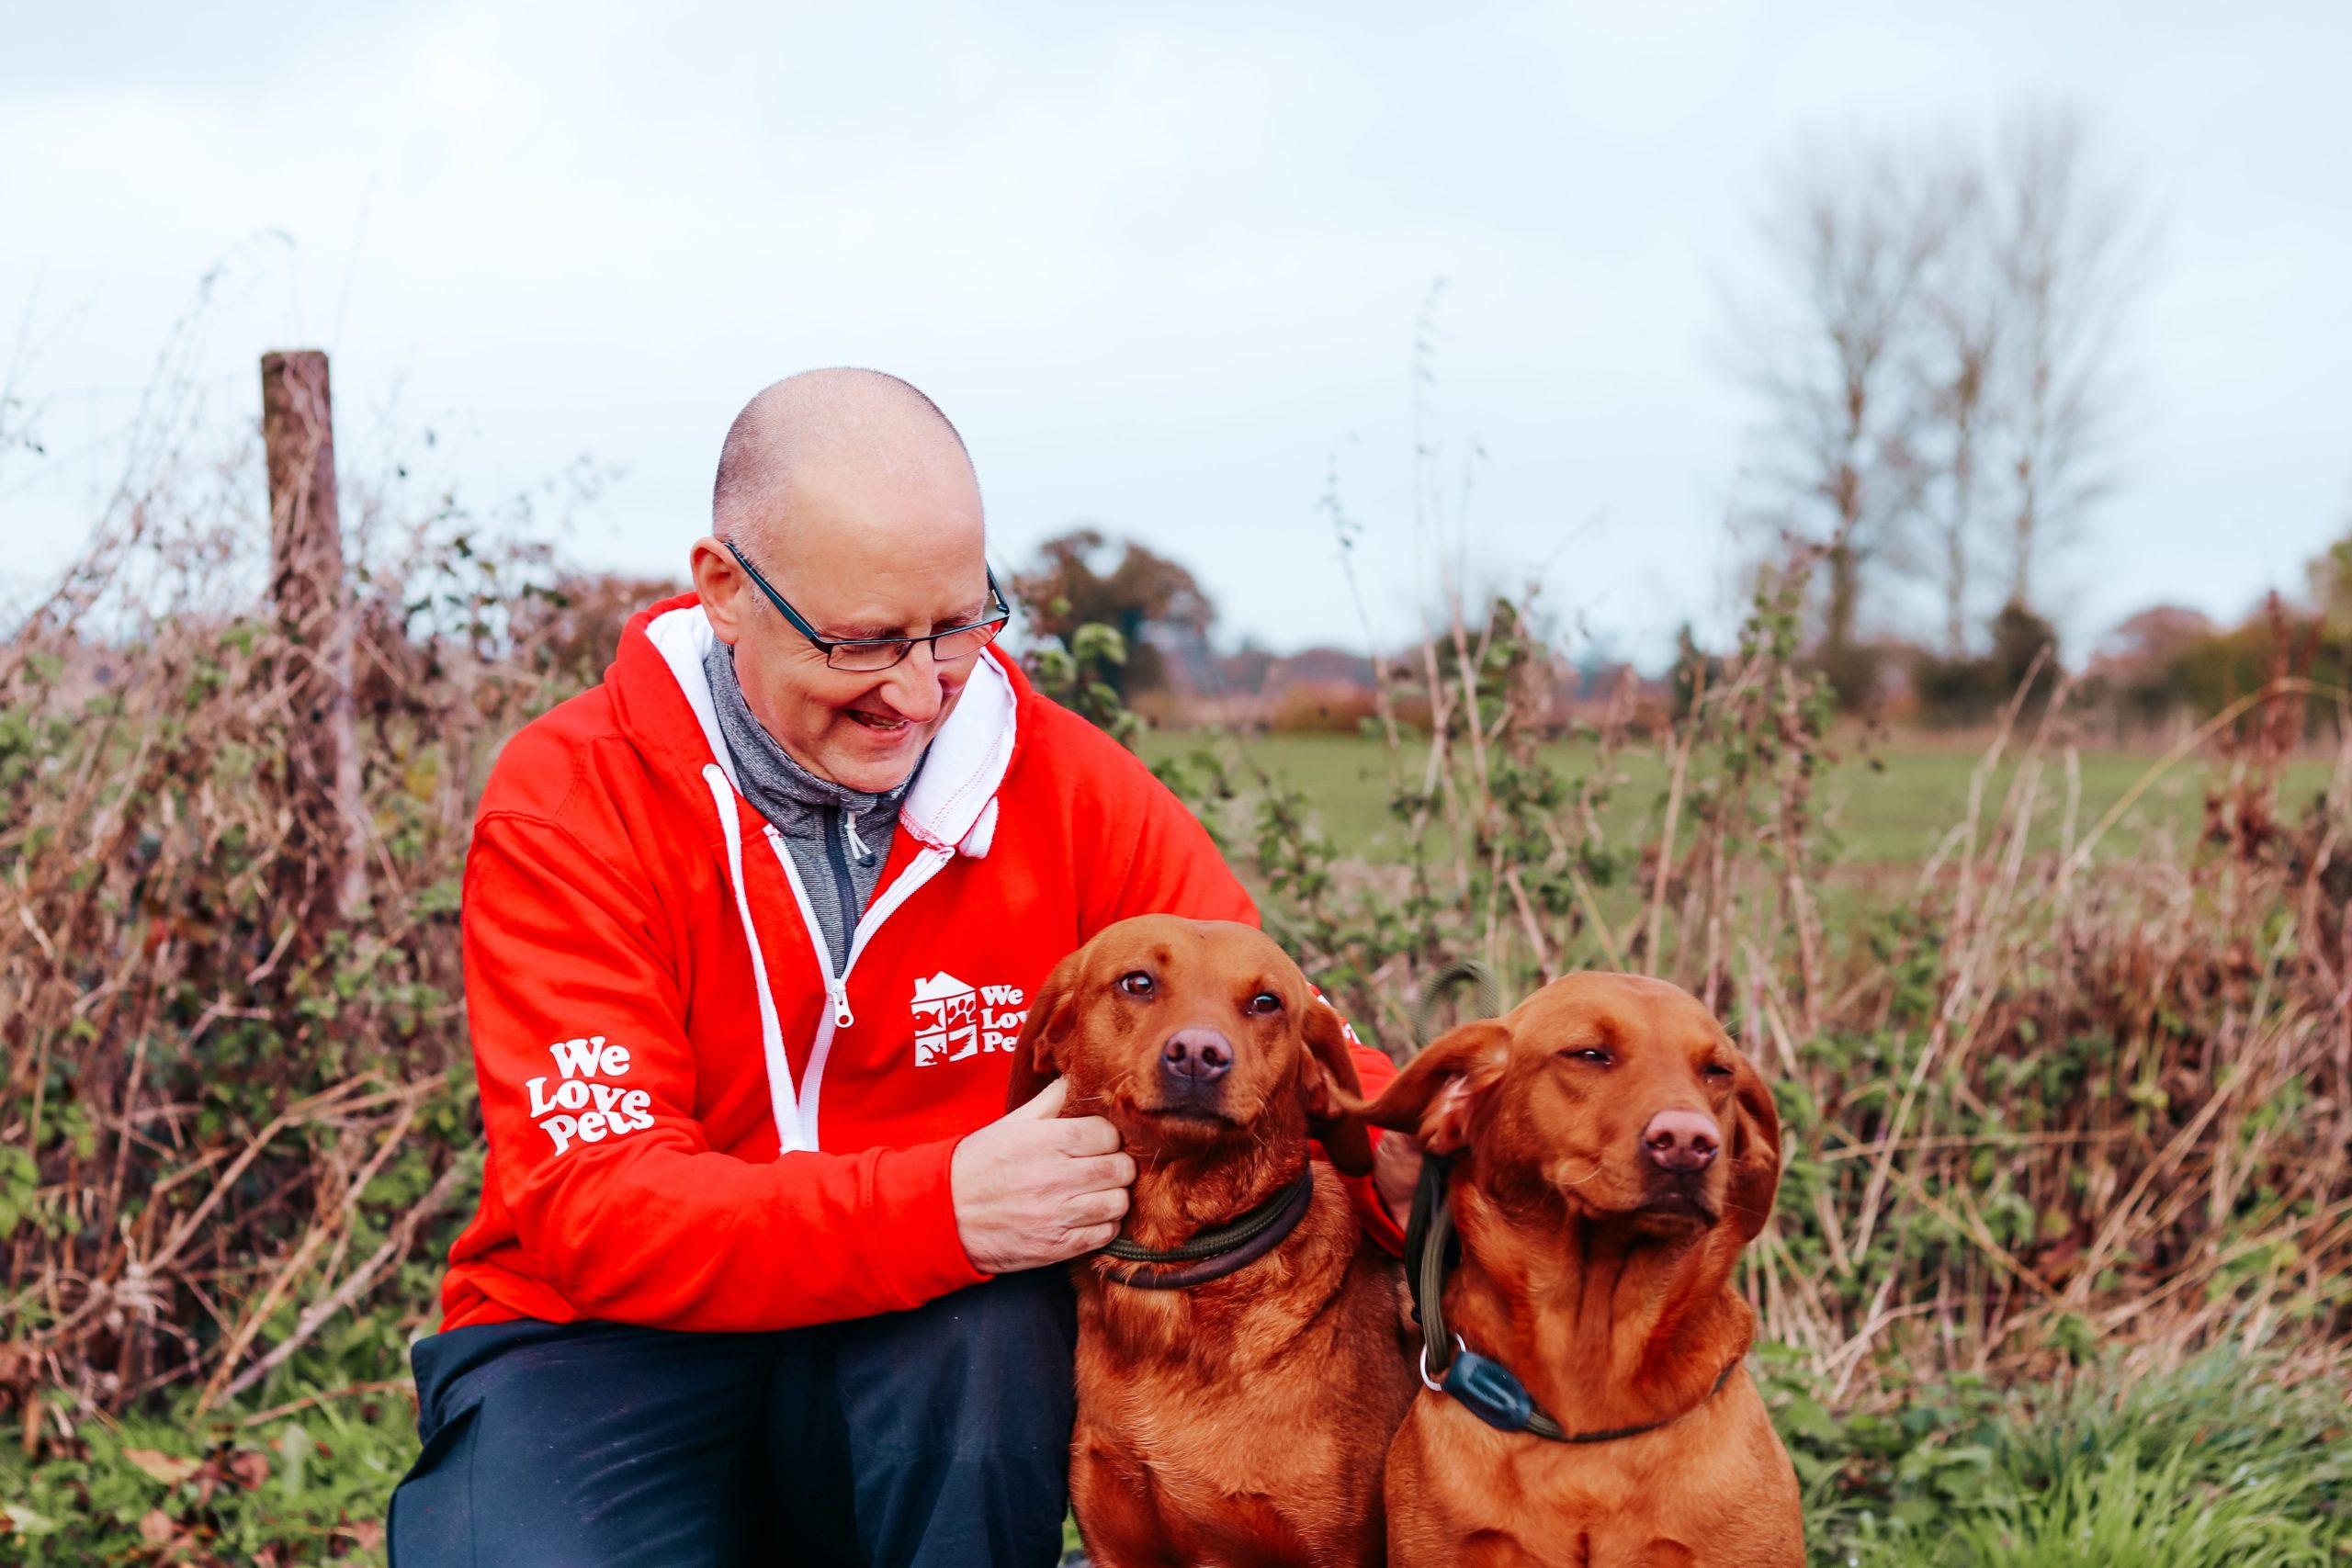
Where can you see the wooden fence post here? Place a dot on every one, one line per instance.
(323, 873)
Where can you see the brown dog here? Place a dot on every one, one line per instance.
(1613, 1153)
(1232, 1408)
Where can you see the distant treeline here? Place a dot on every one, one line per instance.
(2160, 668)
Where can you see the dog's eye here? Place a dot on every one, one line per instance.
(1714, 1071)
(1592, 1054)
(1136, 983)
(1265, 1004)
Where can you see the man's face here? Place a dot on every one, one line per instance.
(892, 549)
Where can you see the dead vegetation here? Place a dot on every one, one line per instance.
(2041, 1102)
(227, 1130)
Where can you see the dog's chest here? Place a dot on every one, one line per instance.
(1230, 1429)
(1226, 1474)
(1197, 1397)
(1700, 1496)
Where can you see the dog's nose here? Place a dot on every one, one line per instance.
(1197, 1055)
(1680, 1140)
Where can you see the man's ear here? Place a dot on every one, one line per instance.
(1036, 1059)
(1438, 1094)
(1330, 1089)
(719, 582)
(1755, 1149)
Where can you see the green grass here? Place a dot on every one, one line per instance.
(308, 1485)
(2219, 1462)
(2216, 1464)
(1889, 806)
(2222, 1463)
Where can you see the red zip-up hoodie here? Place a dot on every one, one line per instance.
(693, 1122)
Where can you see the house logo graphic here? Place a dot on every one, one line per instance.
(947, 1025)
(955, 1021)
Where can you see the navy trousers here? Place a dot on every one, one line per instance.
(917, 1439)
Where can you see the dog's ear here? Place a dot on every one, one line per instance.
(1036, 1059)
(1755, 1149)
(1438, 1094)
(1330, 1091)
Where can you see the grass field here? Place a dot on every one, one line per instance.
(1884, 805)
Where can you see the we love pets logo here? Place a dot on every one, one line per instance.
(954, 1020)
(581, 1108)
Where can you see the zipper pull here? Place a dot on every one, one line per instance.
(842, 1016)
(858, 849)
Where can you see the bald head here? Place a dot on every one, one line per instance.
(833, 431)
(851, 500)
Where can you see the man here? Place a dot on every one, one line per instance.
(761, 1272)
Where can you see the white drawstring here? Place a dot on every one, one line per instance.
(780, 1096)
(857, 845)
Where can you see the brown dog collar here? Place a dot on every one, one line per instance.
(1213, 1254)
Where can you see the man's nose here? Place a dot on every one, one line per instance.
(1680, 1141)
(1194, 1057)
(916, 687)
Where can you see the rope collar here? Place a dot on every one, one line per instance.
(1213, 1254)
(1490, 1390)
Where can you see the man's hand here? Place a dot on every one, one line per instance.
(1031, 1188)
(1395, 1171)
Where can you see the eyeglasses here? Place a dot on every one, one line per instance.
(867, 654)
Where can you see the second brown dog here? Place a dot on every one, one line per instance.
(1241, 1370)
(1611, 1155)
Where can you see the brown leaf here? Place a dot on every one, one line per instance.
(169, 1469)
(249, 1467)
(157, 1527)
(365, 1535)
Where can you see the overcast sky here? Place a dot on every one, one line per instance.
(1160, 262)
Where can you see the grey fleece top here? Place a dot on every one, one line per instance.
(839, 838)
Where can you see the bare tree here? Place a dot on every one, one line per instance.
(1939, 358)
(1853, 237)
(1962, 338)
(2069, 250)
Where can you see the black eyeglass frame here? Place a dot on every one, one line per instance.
(993, 624)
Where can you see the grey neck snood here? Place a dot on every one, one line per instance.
(838, 837)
